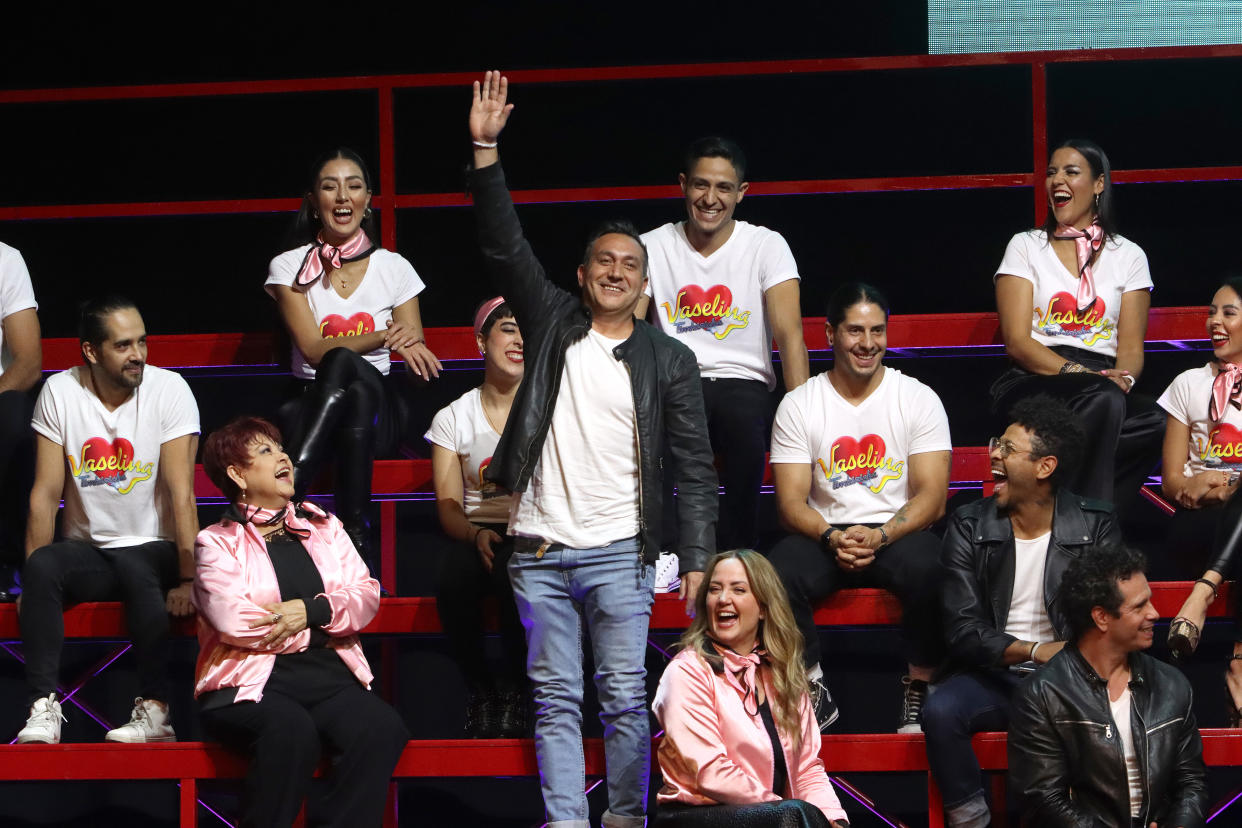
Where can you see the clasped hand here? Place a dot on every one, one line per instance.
(287, 618)
(856, 547)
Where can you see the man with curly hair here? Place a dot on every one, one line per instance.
(1005, 558)
(1104, 719)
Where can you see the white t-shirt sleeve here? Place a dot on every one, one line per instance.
(443, 431)
(1176, 398)
(930, 425)
(178, 409)
(1138, 274)
(790, 443)
(404, 282)
(777, 262)
(16, 291)
(1017, 259)
(284, 268)
(47, 414)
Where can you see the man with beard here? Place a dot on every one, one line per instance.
(1005, 558)
(116, 439)
(860, 456)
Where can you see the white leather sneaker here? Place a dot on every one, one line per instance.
(148, 723)
(43, 725)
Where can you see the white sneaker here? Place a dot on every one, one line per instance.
(43, 725)
(148, 723)
(666, 577)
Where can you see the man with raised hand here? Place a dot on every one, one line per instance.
(603, 397)
(116, 440)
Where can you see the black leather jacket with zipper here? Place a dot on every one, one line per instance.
(664, 378)
(1065, 755)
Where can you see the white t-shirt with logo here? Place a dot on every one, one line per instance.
(1120, 266)
(112, 458)
(584, 490)
(16, 294)
(390, 281)
(1213, 446)
(462, 427)
(715, 304)
(1028, 611)
(859, 454)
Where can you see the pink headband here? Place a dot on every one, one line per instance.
(484, 311)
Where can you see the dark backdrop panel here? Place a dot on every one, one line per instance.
(247, 146)
(1152, 114)
(835, 125)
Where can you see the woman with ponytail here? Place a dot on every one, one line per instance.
(741, 744)
(1073, 298)
(348, 304)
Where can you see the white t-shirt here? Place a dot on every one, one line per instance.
(715, 304)
(1121, 266)
(112, 458)
(390, 281)
(1213, 446)
(859, 453)
(1028, 612)
(16, 294)
(1134, 775)
(584, 490)
(463, 427)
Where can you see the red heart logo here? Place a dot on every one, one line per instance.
(107, 460)
(704, 304)
(334, 325)
(1063, 310)
(866, 454)
(1225, 444)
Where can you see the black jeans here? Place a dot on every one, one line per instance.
(909, 568)
(739, 425)
(463, 583)
(787, 813)
(1125, 432)
(74, 571)
(284, 736)
(16, 474)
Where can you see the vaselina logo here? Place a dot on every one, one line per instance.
(101, 463)
(1224, 448)
(1063, 318)
(706, 309)
(335, 326)
(862, 461)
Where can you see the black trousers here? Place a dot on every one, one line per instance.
(16, 474)
(1125, 432)
(74, 571)
(284, 737)
(787, 813)
(909, 568)
(739, 425)
(463, 584)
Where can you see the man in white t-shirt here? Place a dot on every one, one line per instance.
(1101, 690)
(725, 288)
(860, 455)
(1005, 559)
(116, 439)
(604, 402)
(21, 361)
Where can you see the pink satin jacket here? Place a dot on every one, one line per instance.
(235, 579)
(714, 752)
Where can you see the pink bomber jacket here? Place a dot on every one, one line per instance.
(714, 752)
(235, 579)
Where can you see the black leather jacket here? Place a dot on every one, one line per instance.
(1065, 756)
(664, 377)
(978, 557)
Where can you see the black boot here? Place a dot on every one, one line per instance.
(320, 415)
(355, 454)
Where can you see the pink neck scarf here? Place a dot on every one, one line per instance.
(742, 673)
(260, 516)
(1226, 390)
(359, 246)
(1086, 244)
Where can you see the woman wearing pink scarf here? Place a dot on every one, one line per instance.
(281, 595)
(348, 306)
(1073, 298)
(1202, 463)
(741, 745)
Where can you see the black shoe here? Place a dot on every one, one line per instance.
(481, 718)
(513, 721)
(826, 712)
(914, 693)
(10, 584)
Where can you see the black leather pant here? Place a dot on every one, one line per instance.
(787, 813)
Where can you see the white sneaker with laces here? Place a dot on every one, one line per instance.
(666, 577)
(148, 723)
(43, 725)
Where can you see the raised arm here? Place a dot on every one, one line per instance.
(783, 306)
(21, 335)
(488, 115)
(177, 477)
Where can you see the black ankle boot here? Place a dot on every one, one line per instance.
(355, 454)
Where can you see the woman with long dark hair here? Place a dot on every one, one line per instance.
(1073, 297)
(348, 305)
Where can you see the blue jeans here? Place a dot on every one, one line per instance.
(961, 706)
(611, 589)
